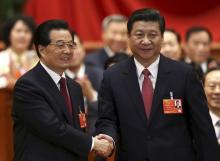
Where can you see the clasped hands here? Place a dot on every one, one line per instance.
(103, 145)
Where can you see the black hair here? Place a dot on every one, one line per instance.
(175, 33)
(42, 33)
(10, 23)
(209, 71)
(146, 14)
(195, 29)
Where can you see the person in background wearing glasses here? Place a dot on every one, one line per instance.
(48, 107)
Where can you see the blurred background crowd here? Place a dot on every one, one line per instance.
(192, 36)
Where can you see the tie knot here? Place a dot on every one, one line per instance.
(146, 72)
(62, 80)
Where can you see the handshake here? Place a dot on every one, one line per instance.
(103, 145)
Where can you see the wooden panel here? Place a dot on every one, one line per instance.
(6, 134)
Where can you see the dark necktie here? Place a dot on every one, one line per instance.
(64, 92)
(147, 92)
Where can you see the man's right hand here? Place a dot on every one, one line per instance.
(102, 147)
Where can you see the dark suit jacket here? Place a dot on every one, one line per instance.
(162, 137)
(42, 129)
(95, 76)
(97, 58)
(198, 68)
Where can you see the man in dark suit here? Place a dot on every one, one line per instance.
(114, 35)
(212, 91)
(198, 49)
(153, 107)
(48, 107)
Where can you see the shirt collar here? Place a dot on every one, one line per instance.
(214, 117)
(153, 68)
(204, 67)
(56, 77)
(109, 52)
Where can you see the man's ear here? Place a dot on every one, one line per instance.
(41, 50)
(128, 34)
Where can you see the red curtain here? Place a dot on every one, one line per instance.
(85, 16)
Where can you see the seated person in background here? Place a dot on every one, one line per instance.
(198, 49)
(171, 47)
(212, 90)
(17, 58)
(114, 35)
(89, 77)
(115, 59)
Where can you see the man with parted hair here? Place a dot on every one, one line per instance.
(137, 101)
(48, 107)
(114, 35)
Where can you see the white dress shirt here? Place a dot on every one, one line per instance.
(153, 69)
(204, 67)
(215, 119)
(109, 52)
(56, 77)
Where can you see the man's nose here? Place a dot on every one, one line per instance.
(217, 89)
(145, 40)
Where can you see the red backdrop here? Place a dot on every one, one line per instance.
(85, 16)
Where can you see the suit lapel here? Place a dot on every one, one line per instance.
(132, 86)
(49, 85)
(161, 85)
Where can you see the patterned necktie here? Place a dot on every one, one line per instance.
(64, 92)
(147, 92)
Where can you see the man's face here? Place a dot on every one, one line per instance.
(145, 40)
(58, 54)
(171, 47)
(79, 53)
(198, 47)
(212, 89)
(115, 36)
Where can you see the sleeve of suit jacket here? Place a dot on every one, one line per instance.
(107, 119)
(30, 104)
(200, 122)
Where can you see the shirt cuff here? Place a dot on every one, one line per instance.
(92, 146)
